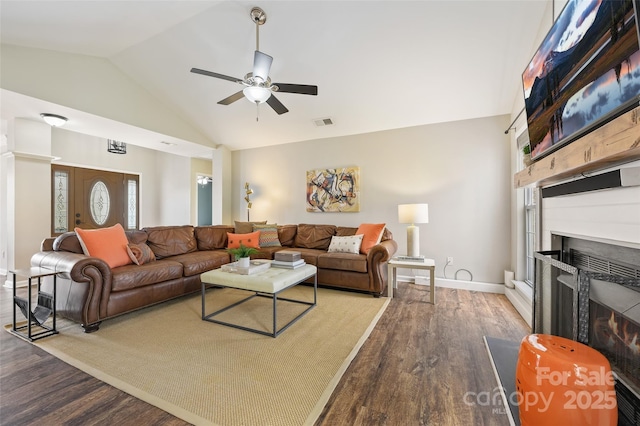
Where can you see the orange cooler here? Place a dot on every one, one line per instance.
(559, 381)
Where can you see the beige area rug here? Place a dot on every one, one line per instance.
(207, 373)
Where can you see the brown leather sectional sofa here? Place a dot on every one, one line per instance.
(89, 291)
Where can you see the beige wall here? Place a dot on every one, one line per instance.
(165, 179)
(461, 169)
(92, 85)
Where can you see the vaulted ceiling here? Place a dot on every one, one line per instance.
(378, 65)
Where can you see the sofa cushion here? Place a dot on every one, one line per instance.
(372, 235)
(134, 276)
(247, 240)
(310, 256)
(212, 237)
(140, 253)
(348, 244)
(201, 261)
(343, 262)
(108, 244)
(246, 227)
(345, 231)
(287, 234)
(314, 236)
(67, 242)
(265, 253)
(168, 241)
(268, 235)
(136, 236)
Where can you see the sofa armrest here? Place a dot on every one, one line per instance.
(83, 285)
(377, 259)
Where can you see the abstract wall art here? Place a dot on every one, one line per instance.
(333, 190)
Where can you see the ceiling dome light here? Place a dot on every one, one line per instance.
(54, 119)
(257, 94)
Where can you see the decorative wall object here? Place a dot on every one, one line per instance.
(247, 198)
(333, 190)
(116, 147)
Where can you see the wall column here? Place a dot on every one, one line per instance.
(221, 171)
(25, 192)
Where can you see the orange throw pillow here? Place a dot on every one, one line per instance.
(108, 244)
(248, 240)
(372, 235)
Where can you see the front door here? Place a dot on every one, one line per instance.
(89, 199)
(99, 198)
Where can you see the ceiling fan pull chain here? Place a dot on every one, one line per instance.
(257, 111)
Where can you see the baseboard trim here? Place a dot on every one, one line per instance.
(521, 304)
(457, 284)
(21, 283)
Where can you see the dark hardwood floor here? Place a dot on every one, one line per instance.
(422, 365)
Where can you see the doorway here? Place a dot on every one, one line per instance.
(205, 200)
(91, 199)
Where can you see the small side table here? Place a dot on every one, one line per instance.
(429, 264)
(45, 306)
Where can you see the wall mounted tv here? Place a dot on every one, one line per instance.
(585, 73)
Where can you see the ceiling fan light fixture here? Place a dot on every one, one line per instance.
(257, 94)
(54, 120)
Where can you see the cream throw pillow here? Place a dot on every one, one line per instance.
(350, 244)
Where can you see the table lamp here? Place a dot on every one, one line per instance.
(412, 214)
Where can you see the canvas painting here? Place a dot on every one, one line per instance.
(333, 190)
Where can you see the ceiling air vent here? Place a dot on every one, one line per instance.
(319, 122)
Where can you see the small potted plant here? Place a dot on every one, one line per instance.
(241, 254)
(526, 151)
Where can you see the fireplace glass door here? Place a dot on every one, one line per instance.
(556, 302)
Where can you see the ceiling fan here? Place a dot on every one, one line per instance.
(258, 85)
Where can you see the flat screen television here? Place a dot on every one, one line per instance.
(585, 73)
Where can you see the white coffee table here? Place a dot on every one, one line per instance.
(269, 283)
(429, 264)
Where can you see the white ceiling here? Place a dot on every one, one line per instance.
(378, 65)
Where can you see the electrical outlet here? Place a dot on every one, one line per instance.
(450, 260)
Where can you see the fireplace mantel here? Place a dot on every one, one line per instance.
(615, 143)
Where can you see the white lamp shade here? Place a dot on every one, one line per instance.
(257, 94)
(413, 213)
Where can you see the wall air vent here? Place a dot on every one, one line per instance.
(319, 122)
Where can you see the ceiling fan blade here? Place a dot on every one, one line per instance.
(302, 89)
(216, 75)
(232, 98)
(261, 65)
(277, 105)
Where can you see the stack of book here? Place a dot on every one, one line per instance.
(287, 259)
(409, 258)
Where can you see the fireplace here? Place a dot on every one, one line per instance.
(589, 291)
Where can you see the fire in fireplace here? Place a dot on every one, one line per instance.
(618, 338)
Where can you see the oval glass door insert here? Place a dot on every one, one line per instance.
(99, 203)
